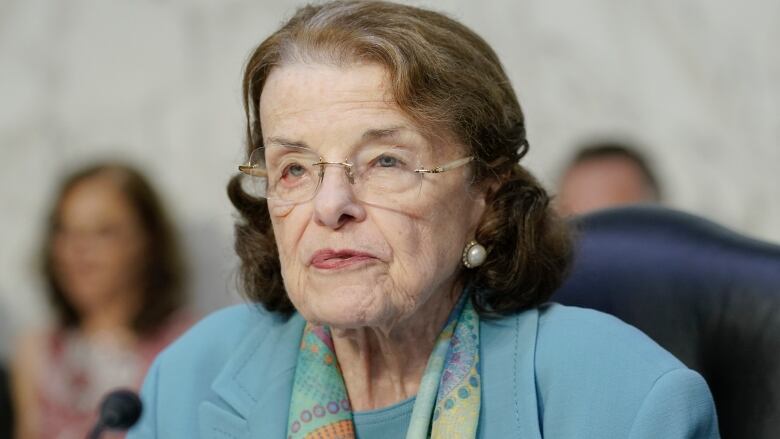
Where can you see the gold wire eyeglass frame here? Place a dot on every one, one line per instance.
(254, 170)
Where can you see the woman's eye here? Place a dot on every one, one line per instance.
(294, 170)
(386, 161)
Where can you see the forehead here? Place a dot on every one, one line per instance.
(607, 168)
(296, 89)
(93, 200)
(316, 103)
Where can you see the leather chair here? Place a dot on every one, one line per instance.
(705, 293)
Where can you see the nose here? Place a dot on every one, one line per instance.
(335, 204)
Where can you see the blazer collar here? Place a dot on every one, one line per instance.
(256, 384)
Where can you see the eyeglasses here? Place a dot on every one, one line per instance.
(378, 175)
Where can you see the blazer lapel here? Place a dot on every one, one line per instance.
(507, 357)
(255, 385)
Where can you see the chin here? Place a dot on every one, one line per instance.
(347, 308)
(86, 297)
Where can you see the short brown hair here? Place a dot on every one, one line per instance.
(163, 291)
(615, 149)
(444, 77)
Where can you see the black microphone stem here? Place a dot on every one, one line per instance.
(96, 432)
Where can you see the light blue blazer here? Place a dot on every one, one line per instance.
(551, 372)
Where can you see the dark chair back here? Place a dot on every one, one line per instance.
(705, 293)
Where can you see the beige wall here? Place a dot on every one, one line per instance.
(157, 82)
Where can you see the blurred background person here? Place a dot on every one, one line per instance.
(603, 175)
(114, 277)
(6, 413)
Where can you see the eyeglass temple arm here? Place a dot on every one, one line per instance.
(252, 170)
(447, 166)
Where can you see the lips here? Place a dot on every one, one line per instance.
(329, 259)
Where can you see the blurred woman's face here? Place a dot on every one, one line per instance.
(350, 259)
(98, 246)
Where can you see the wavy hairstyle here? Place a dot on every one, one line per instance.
(444, 77)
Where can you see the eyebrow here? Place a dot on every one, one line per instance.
(368, 135)
(281, 141)
(382, 133)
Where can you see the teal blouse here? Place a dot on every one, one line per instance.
(388, 422)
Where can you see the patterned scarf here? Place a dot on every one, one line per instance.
(447, 403)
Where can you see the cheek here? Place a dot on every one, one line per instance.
(288, 231)
(136, 244)
(60, 252)
(422, 248)
(431, 242)
(126, 252)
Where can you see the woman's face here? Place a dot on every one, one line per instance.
(98, 246)
(347, 261)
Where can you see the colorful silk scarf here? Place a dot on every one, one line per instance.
(447, 403)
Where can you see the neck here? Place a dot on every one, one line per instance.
(113, 316)
(382, 366)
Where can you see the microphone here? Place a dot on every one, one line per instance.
(119, 410)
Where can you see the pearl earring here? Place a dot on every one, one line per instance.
(474, 254)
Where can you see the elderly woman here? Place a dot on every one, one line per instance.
(401, 258)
